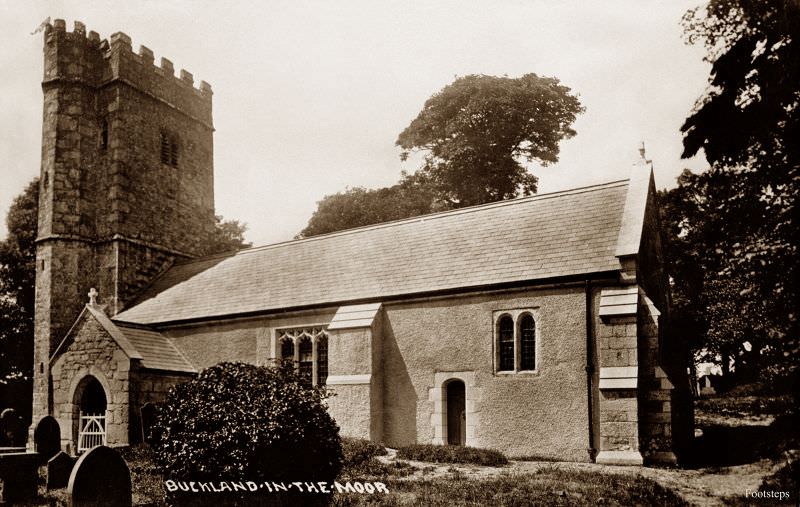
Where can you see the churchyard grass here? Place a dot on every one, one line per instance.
(452, 454)
(549, 486)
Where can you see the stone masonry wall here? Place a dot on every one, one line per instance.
(91, 352)
(111, 214)
(655, 390)
(524, 414)
(619, 411)
(149, 386)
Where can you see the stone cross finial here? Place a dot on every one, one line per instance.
(93, 296)
(642, 157)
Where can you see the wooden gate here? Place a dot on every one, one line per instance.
(92, 431)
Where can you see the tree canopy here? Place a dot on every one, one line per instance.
(477, 132)
(357, 207)
(17, 289)
(226, 236)
(732, 249)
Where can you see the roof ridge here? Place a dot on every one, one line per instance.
(399, 221)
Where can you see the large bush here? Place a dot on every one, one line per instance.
(240, 422)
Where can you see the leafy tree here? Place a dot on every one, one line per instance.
(238, 422)
(17, 287)
(478, 131)
(358, 206)
(733, 238)
(227, 235)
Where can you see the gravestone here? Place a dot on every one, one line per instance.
(149, 414)
(18, 473)
(47, 437)
(59, 468)
(14, 430)
(100, 478)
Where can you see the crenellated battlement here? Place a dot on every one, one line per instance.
(85, 57)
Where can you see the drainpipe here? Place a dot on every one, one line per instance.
(590, 367)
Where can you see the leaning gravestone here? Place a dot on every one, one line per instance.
(100, 478)
(14, 428)
(59, 468)
(47, 437)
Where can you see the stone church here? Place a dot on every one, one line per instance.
(537, 326)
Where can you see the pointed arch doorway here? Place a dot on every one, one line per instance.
(92, 403)
(456, 416)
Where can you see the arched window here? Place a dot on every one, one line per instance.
(322, 360)
(306, 361)
(527, 331)
(287, 349)
(506, 343)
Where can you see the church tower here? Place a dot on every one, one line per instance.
(126, 180)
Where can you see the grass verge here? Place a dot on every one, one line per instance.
(550, 486)
(452, 454)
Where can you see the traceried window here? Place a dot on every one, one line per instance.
(505, 329)
(287, 349)
(527, 341)
(309, 351)
(305, 363)
(515, 341)
(322, 360)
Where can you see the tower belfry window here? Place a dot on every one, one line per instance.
(104, 135)
(169, 148)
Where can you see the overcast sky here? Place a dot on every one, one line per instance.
(309, 96)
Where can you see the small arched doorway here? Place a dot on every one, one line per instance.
(456, 415)
(92, 403)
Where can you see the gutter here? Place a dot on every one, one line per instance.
(590, 368)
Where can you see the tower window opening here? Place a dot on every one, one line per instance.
(169, 149)
(104, 135)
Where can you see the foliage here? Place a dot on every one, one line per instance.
(477, 131)
(357, 207)
(238, 421)
(452, 454)
(784, 479)
(226, 236)
(548, 486)
(732, 238)
(17, 285)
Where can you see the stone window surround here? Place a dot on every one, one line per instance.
(300, 333)
(516, 315)
(438, 395)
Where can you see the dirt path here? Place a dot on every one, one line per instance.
(703, 487)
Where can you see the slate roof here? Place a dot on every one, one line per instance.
(151, 348)
(157, 351)
(572, 232)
